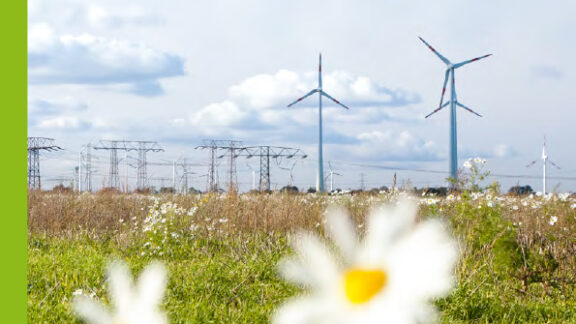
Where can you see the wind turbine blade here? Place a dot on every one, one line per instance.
(457, 65)
(336, 101)
(437, 109)
(470, 110)
(531, 164)
(445, 60)
(444, 87)
(554, 164)
(338, 174)
(302, 98)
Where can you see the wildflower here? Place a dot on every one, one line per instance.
(450, 197)
(133, 304)
(573, 206)
(490, 204)
(430, 201)
(515, 207)
(77, 292)
(386, 278)
(553, 220)
(477, 160)
(467, 164)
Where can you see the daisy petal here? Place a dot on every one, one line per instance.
(151, 285)
(385, 225)
(424, 261)
(341, 229)
(91, 311)
(317, 260)
(120, 281)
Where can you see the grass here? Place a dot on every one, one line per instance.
(222, 251)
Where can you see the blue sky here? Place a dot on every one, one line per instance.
(178, 72)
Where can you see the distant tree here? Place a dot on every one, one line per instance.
(437, 191)
(311, 190)
(62, 189)
(194, 191)
(289, 189)
(167, 190)
(521, 190)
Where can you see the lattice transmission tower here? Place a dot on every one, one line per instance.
(266, 153)
(35, 145)
(142, 147)
(231, 149)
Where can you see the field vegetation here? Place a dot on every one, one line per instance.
(517, 263)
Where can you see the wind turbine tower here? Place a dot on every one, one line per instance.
(321, 92)
(544, 161)
(453, 102)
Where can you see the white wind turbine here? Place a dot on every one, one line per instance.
(321, 92)
(331, 174)
(545, 160)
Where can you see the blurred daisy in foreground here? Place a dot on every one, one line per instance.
(134, 304)
(388, 277)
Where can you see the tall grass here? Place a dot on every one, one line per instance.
(516, 265)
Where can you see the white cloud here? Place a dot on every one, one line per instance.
(88, 59)
(101, 17)
(75, 14)
(64, 122)
(54, 106)
(395, 146)
(225, 113)
(279, 89)
(259, 102)
(503, 151)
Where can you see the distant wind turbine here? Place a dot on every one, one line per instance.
(331, 174)
(453, 103)
(321, 92)
(545, 160)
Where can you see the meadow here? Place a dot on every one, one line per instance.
(517, 253)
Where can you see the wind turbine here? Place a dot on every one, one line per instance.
(331, 174)
(544, 158)
(450, 67)
(321, 92)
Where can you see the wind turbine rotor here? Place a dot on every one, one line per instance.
(304, 97)
(457, 65)
(440, 56)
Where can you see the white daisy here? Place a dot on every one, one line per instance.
(553, 220)
(388, 277)
(133, 304)
(467, 164)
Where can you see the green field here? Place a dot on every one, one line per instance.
(516, 265)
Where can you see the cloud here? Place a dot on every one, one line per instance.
(81, 14)
(65, 123)
(51, 107)
(394, 146)
(503, 151)
(259, 102)
(267, 90)
(88, 59)
(41, 109)
(547, 72)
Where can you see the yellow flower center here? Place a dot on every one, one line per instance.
(361, 285)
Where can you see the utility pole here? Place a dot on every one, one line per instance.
(35, 145)
(362, 182)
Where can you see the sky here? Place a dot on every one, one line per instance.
(179, 72)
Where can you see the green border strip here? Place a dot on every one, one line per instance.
(13, 90)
